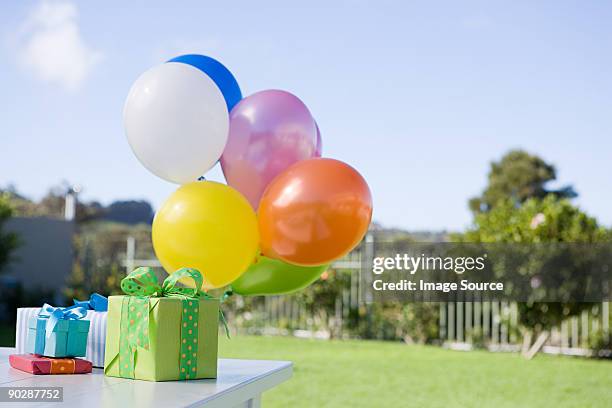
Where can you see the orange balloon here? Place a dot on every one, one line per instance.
(314, 212)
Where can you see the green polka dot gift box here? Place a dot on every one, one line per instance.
(161, 333)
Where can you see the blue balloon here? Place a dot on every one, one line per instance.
(218, 73)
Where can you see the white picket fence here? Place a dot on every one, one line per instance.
(496, 324)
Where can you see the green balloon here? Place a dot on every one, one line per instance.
(267, 276)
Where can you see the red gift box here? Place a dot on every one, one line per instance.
(35, 364)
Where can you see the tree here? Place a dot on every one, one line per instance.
(52, 205)
(536, 220)
(130, 212)
(516, 207)
(518, 176)
(548, 220)
(8, 240)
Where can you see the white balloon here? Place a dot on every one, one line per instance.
(176, 121)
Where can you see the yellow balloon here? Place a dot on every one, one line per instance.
(208, 226)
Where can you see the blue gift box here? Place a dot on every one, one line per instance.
(68, 338)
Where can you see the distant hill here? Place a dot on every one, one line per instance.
(386, 233)
(133, 212)
(52, 205)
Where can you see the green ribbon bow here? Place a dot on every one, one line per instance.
(140, 285)
(143, 282)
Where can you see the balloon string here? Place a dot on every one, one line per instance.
(226, 295)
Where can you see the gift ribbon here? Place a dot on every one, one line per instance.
(62, 366)
(55, 314)
(142, 284)
(96, 302)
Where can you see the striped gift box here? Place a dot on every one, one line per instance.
(96, 339)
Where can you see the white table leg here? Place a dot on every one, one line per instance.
(254, 402)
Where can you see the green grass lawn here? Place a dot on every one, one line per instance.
(383, 374)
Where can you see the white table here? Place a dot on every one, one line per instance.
(239, 384)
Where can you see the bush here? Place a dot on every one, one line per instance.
(8, 240)
(548, 220)
(479, 340)
(601, 345)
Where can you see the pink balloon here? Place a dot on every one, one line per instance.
(319, 145)
(269, 131)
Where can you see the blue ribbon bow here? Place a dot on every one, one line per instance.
(96, 302)
(55, 314)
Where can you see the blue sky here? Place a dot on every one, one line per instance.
(419, 96)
